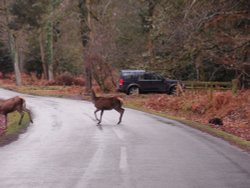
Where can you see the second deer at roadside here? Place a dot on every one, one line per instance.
(14, 104)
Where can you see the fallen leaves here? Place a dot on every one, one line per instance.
(200, 106)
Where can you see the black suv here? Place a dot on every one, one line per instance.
(140, 81)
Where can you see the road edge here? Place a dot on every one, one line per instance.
(232, 139)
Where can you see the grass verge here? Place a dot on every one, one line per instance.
(14, 130)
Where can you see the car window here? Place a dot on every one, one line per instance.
(127, 77)
(150, 76)
(158, 77)
(130, 76)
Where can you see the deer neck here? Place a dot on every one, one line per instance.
(93, 95)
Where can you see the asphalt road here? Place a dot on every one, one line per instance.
(64, 148)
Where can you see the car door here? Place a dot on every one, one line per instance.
(151, 82)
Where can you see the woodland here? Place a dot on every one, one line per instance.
(94, 39)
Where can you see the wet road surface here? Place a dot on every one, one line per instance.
(65, 149)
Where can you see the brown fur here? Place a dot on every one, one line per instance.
(107, 103)
(14, 104)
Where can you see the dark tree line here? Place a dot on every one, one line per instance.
(183, 39)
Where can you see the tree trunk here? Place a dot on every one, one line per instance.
(13, 48)
(84, 6)
(150, 50)
(200, 74)
(44, 66)
(49, 43)
(149, 26)
(14, 56)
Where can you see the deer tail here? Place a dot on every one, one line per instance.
(23, 102)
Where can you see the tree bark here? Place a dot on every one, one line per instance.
(148, 19)
(15, 58)
(49, 43)
(13, 48)
(200, 74)
(84, 6)
(41, 45)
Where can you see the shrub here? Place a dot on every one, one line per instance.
(222, 99)
(68, 80)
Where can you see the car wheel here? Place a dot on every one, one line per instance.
(133, 91)
(172, 90)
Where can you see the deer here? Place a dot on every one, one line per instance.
(107, 103)
(14, 104)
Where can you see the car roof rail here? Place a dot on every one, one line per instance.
(133, 70)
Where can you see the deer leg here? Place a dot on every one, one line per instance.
(28, 111)
(96, 115)
(5, 120)
(22, 114)
(121, 111)
(5, 123)
(101, 117)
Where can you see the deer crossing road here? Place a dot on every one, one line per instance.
(64, 148)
